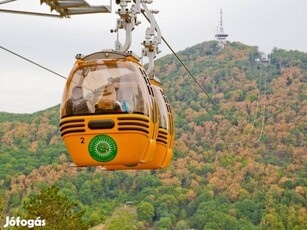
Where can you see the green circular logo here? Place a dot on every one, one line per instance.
(102, 148)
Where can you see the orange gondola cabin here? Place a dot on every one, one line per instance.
(109, 113)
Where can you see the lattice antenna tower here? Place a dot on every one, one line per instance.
(220, 35)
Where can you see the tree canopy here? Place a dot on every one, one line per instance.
(249, 177)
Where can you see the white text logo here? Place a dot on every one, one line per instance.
(11, 221)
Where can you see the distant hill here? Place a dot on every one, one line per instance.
(249, 177)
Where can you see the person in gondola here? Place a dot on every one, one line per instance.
(107, 102)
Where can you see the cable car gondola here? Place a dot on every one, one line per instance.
(109, 115)
(111, 105)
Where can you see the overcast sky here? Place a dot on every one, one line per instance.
(53, 43)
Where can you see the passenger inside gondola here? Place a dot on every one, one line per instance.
(107, 101)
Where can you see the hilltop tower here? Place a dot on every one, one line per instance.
(220, 35)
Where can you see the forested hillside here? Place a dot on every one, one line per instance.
(252, 175)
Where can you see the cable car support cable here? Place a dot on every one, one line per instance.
(34, 63)
(264, 110)
(245, 137)
(196, 81)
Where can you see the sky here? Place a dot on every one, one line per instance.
(53, 42)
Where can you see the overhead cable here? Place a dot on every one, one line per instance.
(191, 75)
(28, 60)
(264, 110)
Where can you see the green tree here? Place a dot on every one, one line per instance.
(145, 212)
(168, 205)
(55, 209)
(164, 223)
(182, 225)
(85, 193)
(208, 216)
(250, 210)
(123, 218)
(271, 221)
